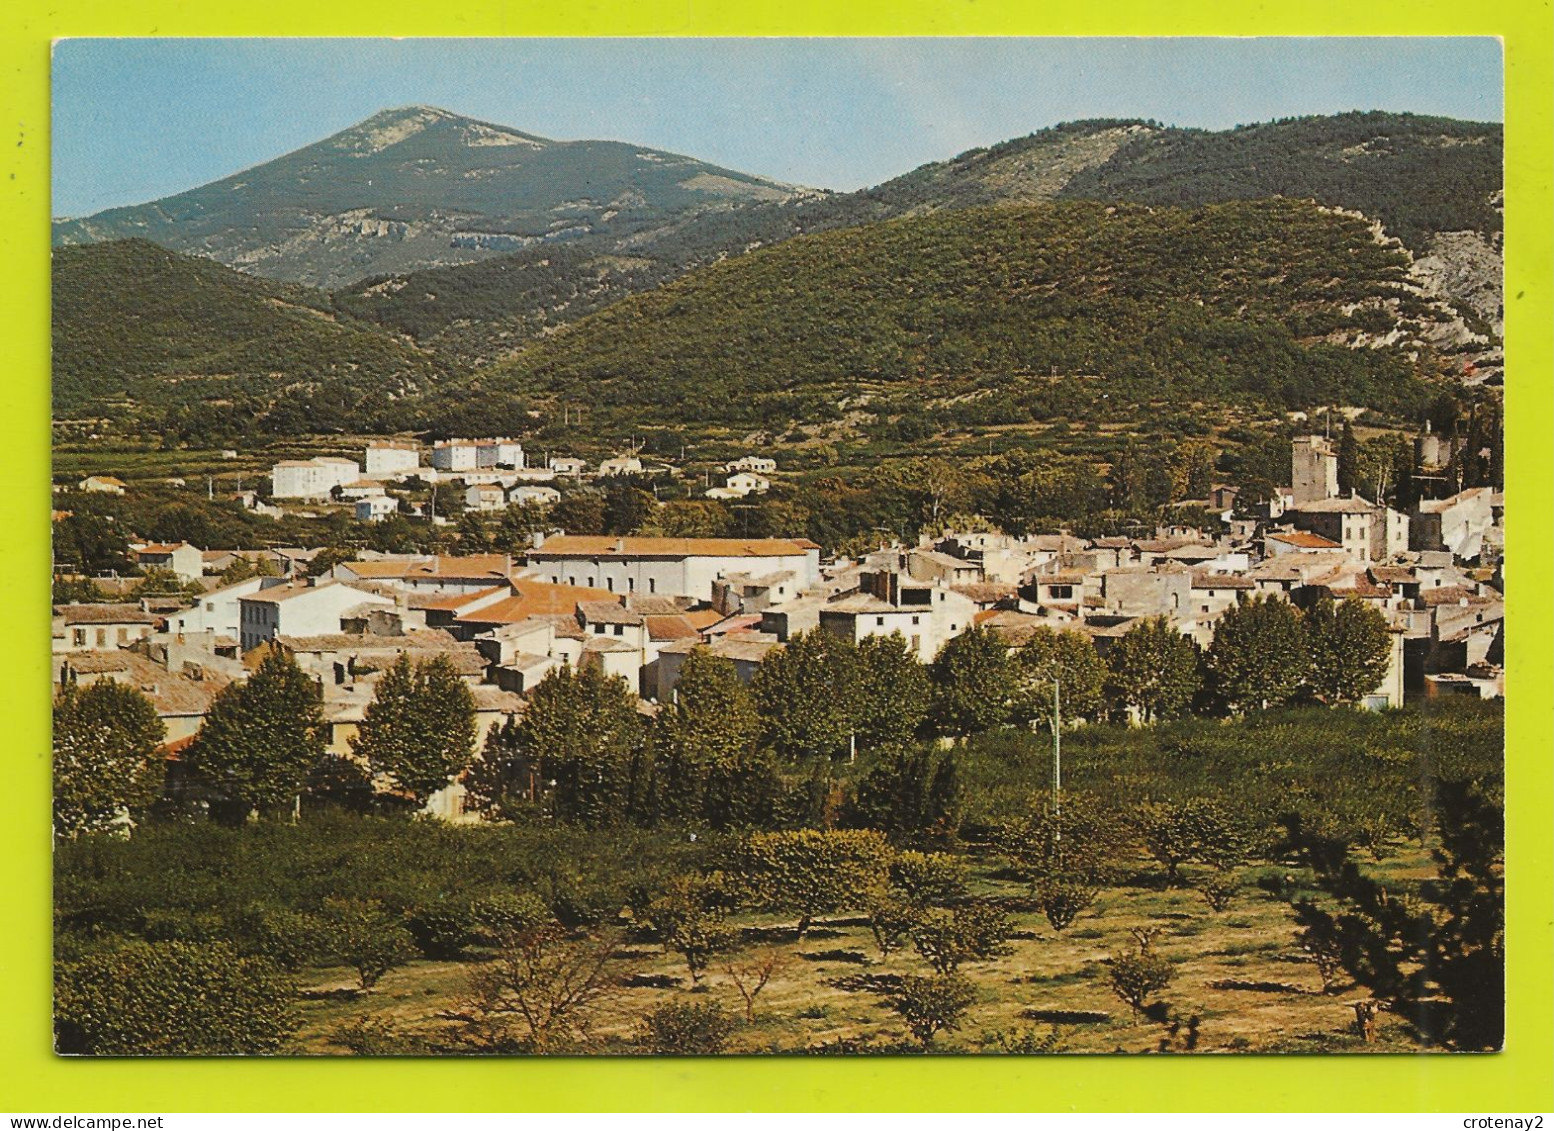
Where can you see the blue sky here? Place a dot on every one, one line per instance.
(135, 120)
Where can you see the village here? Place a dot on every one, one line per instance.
(636, 607)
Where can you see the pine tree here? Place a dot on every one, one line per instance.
(1259, 655)
(807, 695)
(106, 756)
(1350, 650)
(419, 729)
(893, 692)
(261, 739)
(973, 684)
(1153, 670)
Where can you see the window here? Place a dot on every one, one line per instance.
(879, 620)
(620, 630)
(916, 619)
(652, 585)
(571, 581)
(80, 638)
(102, 637)
(631, 585)
(609, 583)
(123, 636)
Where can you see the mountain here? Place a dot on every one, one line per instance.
(420, 187)
(139, 330)
(1433, 182)
(1008, 314)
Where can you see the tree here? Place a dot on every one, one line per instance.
(973, 684)
(1051, 656)
(912, 795)
(969, 932)
(1258, 659)
(1350, 650)
(579, 513)
(751, 976)
(107, 763)
(581, 735)
(1436, 955)
(893, 692)
(710, 727)
(677, 1028)
(419, 729)
(361, 935)
(1153, 670)
(810, 871)
(626, 508)
(171, 999)
(807, 695)
(1067, 853)
(688, 919)
(933, 1004)
(1135, 978)
(1198, 828)
(261, 739)
(539, 994)
(1348, 461)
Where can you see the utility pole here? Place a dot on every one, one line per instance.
(1057, 756)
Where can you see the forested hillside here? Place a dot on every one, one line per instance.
(1246, 302)
(138, 329)
(1418, 176)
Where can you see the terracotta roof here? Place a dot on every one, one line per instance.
(1446, 595)
(160, 547)
(593, 546)
(753, 646)
(608, 612)
(607, 644)
(1303, 539)
(1394, 575)
(985, 592)
(1061, 577)
(535, 598)
(278, 593)
(1336, 506)
(171, 693)
(1202, 580)
(670, 628)
(700, 619)
(452, 602)
(105, 614)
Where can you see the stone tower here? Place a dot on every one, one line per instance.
(1313, 470)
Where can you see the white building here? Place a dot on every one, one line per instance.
(567, 465)
(671, 567)
(527, 495)
(311, 478)
(375, 508)
(485, 497)
(621, 465)
(925, 614)
(1457, 524)
(298, 610)
(180, 558)
(758, 464)
(219, 611)
(387, 458)
(468, 455)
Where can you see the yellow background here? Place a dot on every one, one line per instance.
(33, 1080)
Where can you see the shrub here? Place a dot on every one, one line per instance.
(810, 871)
(928, 879)
(932, 1005)
(971, 932)
(363, 936)
(374, 1036)
(688, 919)
(290, 939)
(1135, 978)
(1219, 889)
(496, 918)
(684, 1029)
(171, 998)
(443, 929)
(1062, 899)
